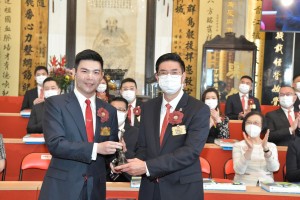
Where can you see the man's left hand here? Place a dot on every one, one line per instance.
(134, 167)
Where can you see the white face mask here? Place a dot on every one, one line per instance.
(298, 86)
(129, 95)
(101, 87)
(50, 93)
(253, 130)
(40, 79)
(212, 103)
(170, 84)
(286, 101)
(121, 117)
(244, 88)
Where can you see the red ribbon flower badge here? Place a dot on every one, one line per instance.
(103, 114)
(251, 104)
(137, 111)
(175, 117)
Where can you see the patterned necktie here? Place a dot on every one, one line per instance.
(243, 101)
(89, 121)
(290, 118)
(165, 124)
(129, 113)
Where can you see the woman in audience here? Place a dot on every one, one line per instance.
(254, 159)
(103, 91)
(2, 154)
(293, 161)
(218, 125)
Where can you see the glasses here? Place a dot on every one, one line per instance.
(286, 94)
(162, 73)
(257, 123)
(121, 109)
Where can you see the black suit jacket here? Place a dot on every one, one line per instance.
(293, 161)
(279, 125)
(234, 106)
(296, 105)
(137, 118)
(29, 97)
(35, 123)
(66, 139)
(176, 163)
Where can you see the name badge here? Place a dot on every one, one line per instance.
(178, 130)
(105, 131)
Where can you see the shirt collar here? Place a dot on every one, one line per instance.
(287, 110)
(81, 98)
(174, 102)
(133, 104)
(241, 95)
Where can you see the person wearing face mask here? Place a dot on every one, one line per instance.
(283, 122)
(128, 90)
(238, 105)
(103, 91)
(35, 95)
(130, 136)
(254, 159)
(35, 123)
(173, 131)
(218, 125)
(296, 86)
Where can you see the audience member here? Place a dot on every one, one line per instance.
(35, 123)
(254, 159)
(293, 161)
(128, 90)
(283, 121)
(218, 126)
(35, 95)
(103, 91)
(2, 154)
(239, 104)
(296, 86)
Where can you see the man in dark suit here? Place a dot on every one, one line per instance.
(293, 160)
(35, 95)
(172, 134)
(128, 90)
(130, 134)
(238, 105)
(296, 86)
(283, 122)
(35, 123)
(79, 131)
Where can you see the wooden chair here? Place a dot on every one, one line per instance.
(205, 167)
(284, 172)
(228, 168)
(35, 161)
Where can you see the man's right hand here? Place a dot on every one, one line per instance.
(108, 147)
(38, 100)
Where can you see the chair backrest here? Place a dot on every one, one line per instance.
(284, 172)
(228, 168)
(205, 167)
(35, 161)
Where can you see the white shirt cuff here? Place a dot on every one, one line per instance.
(94, 153)
(147, 171)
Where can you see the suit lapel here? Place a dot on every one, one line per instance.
(156, 123)
(99, 104)
(238, 101)
(283, 116)
(74, 108)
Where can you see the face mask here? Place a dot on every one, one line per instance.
(253, 130)
(121, 117)
(298, 86)
(50, 93)
(286, 101)
(101, 87)
(212, 103)
(129, 95)
(170, 84)
(244, 88)
(40, 79)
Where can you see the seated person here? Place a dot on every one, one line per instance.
(218, 126)
(296, 86)
(283, 121)
(130, 134)
(293, 161)
(103, 91)
(35, 95)
(128, 90)
(254, 159)
(35, 123)
(239, 104)
(2, 154)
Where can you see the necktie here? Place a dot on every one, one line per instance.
(129, 113)
(89, 121)
(243, 102)
(290, 118)
(41, 93)
(165, 124)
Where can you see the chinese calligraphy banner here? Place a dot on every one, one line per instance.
(34, 41)
(9, 46)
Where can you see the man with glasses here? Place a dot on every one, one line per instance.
(173, 130)
(284, 122)
(239, 104)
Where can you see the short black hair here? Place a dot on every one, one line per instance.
(88, 54)
(296, 76)
(263, 121)
(170, 57)
(212, 89)
(51, 79)
(40, 68)
(247, 77)
(131, 80)
(120, 99)
(285, 85)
